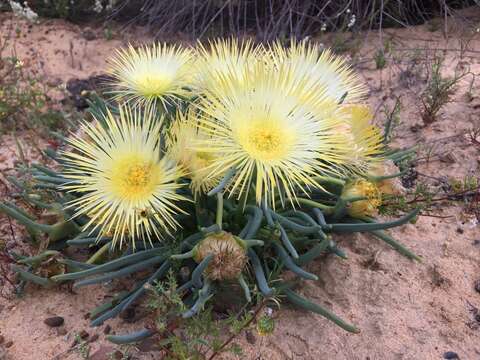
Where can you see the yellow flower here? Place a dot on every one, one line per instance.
(364, 139)
(149, 73)
(322, 69)
(224, 58)
(364, 189)
(262, 130)
(126, 188)
(181, 137)
(391, 186)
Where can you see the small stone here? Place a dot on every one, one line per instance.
(459, 230)
(450, 355)
(250, 337)
(9, 344)
(54, 321)
(107, 329)
(88, 34)
(83, 334)
(2, 339)
(86, 316)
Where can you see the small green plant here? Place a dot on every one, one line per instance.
(193, 337)
(438, 92)
(380, 60)
(25, 99)
(108, 33)
(392, 120)
(82, 347)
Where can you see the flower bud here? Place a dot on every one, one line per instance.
(361, 208)
(229, 255)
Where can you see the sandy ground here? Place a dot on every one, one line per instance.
(405, 310)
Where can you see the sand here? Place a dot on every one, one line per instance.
(405, 310)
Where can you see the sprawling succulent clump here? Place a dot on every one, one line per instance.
(232, 162)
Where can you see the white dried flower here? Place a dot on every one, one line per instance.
(98, 7)
(352, 21)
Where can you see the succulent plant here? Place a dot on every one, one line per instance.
(260, 181)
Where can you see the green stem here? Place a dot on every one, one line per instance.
(300, 301)
(244, 286)
(219, 217)
(187, 255)
(328, 179)
(130, 338)
(219, 188)
(32, 225)
(371, 226)
(327, 209)
(98, 255)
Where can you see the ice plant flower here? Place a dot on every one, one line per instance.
(321, 68)
(147, 74)
(183, 133)
(364, 139)
(224, 58)
(126, 187)
(365, 198)
(261, 130)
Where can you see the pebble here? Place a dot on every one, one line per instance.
(88, 34)
(450, 355)
(2, 339)
(54, 321)
(9, 344)
(83, 334)
(107, 329)
(93, 338)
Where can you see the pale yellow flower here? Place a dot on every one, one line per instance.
(126, 188)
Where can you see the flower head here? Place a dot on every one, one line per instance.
(364, 139)
(362, 189)
(271, 138)
(197, 164)
(321, 68)
(149, 73)
(224, 58)
(126, 187)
